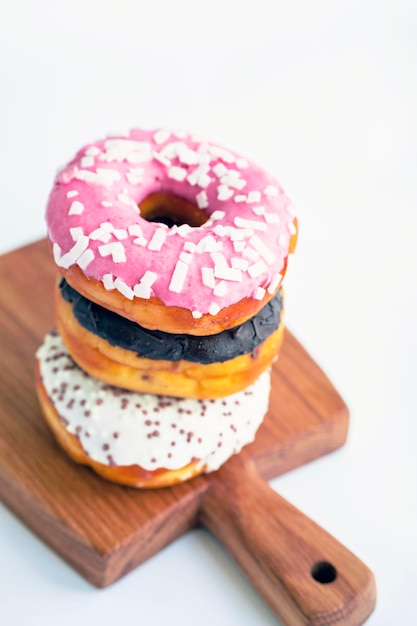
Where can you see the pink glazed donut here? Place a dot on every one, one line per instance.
(172, 232)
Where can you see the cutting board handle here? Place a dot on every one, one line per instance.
(302, 572)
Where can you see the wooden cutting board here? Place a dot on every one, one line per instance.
(104, 530)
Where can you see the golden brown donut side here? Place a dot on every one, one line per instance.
(124, 368)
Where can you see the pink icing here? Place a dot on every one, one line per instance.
(93, 221)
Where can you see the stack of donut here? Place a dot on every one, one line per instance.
(170, 254)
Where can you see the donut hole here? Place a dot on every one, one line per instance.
(172, 210)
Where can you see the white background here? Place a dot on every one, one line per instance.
(324, 95)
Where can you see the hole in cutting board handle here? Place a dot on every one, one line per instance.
(324, 572)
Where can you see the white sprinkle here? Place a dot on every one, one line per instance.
(224, 192)
(178, 277)
(143, 289)
(107, 227)
(239, 246)
(259, 293)
(271, 218)
(232, 179)
(241, 222)
(126, 150)
(242, 163)
(102, 176)
(177, 173)
(239, 263)
(282, 240)
(257, 268)
(237, 183)
(187, 257)
(292, 228)
(263, 250)
(135, 230)
(199, 176)
(148, 278)
(204, 180)
(220, 230)
(173, 149)
(203, 148)
(253, 196)
(238, 234)
(140, 241)
(209, 244)
(161, 158)
(72, 193)
(184, 230)
(56, 249)
(161, 136)
(79, 247)
(157, 240)
(271, 190)
(188, 157)
(76, 232)
(124, 289)
(193, 177)
(87, 161)
(250, 253)
(115, 249)
(196, 314)
(120, 233)
(76, 208)
(220, 169)
(219, 259)
(92, 151)
(140, 156)
(202, 200)
(85, 259)
(228, 273)
(207, 275)
(213, 308)
(100, 235)
(217, 215)
(220, 289)
(291, 209)
(71, 257)
(258, 210)
(108, 281)
(240, 197)
(124, 198)
(203, 155)
(182, 151)
(273, 285)
(135, 175)
(189, 246)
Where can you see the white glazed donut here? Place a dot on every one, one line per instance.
(142, 440)
(199, 278)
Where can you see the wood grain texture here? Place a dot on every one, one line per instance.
(104, 531)
(305, 575)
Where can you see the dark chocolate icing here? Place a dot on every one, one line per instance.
(157, 345)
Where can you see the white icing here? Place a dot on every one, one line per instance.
(129, 428)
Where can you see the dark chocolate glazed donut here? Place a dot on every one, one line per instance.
(159, 345)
